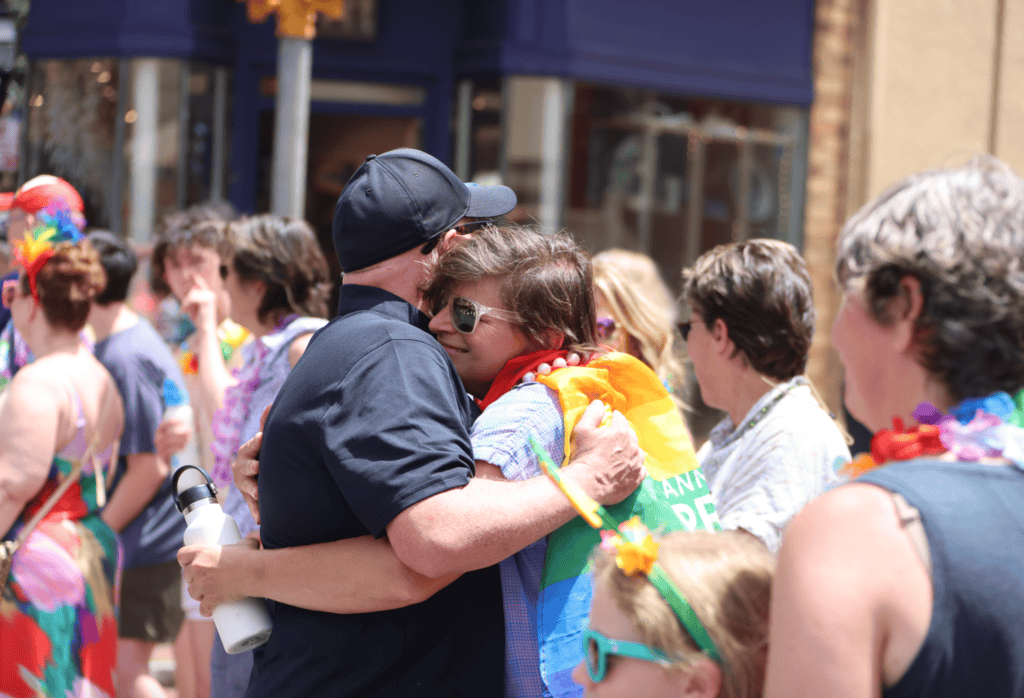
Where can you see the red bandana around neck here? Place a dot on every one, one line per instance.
(515, 369)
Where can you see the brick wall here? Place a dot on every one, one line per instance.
(835, 53)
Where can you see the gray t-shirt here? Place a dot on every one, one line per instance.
(784, 454)
(139, 361)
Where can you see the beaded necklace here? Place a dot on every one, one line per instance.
(761, 413)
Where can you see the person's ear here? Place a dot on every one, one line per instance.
(451, 238)
(720, 336)
(905, 310)
(702, 680)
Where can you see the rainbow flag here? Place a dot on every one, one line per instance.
(673, 497)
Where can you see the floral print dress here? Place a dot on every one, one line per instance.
(58, 607)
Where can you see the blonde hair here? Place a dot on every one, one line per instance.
(642, 272)
(726, 577)
(649, 325)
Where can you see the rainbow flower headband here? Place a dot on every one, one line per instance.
(635, 550)
(56, 225)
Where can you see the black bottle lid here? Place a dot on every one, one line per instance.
(195, 493)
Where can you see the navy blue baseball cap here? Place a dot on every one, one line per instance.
(402, 199)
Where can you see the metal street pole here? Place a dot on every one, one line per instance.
(296, 27)
(291, 127)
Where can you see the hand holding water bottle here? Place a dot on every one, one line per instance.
(243, 624)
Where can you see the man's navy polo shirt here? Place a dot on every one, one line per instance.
(372, 419)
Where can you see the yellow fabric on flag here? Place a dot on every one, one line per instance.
(626, 384)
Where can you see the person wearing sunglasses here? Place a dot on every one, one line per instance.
(380, 545)
(749, 337)
(699, 629)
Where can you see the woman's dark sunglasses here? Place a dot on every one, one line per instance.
(223, 271)
(466, 313)
(684, 330)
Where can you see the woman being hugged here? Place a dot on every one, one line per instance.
(909, 582)
(60, 416)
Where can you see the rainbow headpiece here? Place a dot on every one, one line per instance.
(56, 224)
(636, 551)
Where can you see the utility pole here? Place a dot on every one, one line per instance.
(296, 28)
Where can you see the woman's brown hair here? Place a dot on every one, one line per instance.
(546, 280)
(761, 290)
(68, 283)
(285, 255)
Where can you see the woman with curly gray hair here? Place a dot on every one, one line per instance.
(909, 581)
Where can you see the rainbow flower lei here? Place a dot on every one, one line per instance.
(56, 225)
(977, 428)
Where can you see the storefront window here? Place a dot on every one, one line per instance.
(139, 138)
(674, 176)
(71, 127)
(667, 175)
(478, 138)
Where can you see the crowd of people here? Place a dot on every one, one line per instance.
(480, 477)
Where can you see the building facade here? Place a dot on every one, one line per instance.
(666, 127)
(901, 86)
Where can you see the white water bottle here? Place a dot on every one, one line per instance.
(242, 625)
(176, 405)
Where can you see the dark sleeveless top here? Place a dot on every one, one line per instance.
(973, 516)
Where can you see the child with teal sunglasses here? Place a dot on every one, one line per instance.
(683, 615)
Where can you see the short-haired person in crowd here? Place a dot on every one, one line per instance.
(60, 422)
(140, 507)
(509, 299)
(637, 642)
(276, 279)
(186, 254)
(748, 336)
(910, 581)
(186, 261)
(635, 314)
(37, 199)
(370, 435)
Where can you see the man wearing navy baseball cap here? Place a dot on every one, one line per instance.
(404, 199)
(369, 438)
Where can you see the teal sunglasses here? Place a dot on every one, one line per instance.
(597, 647)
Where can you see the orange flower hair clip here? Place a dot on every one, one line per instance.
(634, 547)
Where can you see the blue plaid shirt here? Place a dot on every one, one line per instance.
(500, 438)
